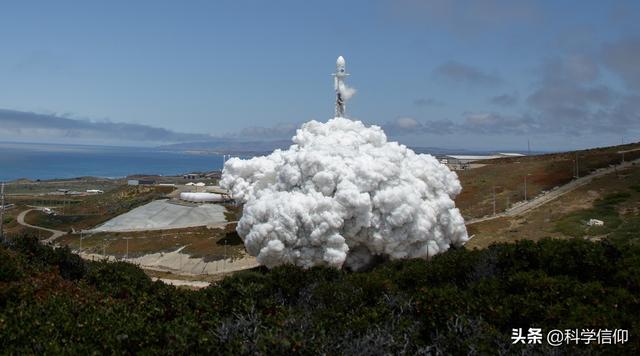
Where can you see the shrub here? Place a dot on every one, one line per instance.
(118, 279)
(458, 302)
(11, 268)
(71, 265)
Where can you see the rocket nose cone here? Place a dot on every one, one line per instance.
(340, 61)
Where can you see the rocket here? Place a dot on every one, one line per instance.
(338, 82)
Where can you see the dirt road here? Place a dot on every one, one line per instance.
(523, 207)
(173, 262)
(54, 233)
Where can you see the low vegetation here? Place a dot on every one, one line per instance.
(613, 199)
(80, 184)
(460, 302)
(605, 210)
(198, 242)
(544, 172)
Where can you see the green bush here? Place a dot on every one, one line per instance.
(37, 255)
(11, 268)
(118, 279)
(459, 302)
(71, 265)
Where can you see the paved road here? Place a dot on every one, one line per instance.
(54, 233)
(522, 208)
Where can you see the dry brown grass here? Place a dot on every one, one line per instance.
(211, 278)
(544, 172)
(201, 242)
(541, 222)
(14, 230)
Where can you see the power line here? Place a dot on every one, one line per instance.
(2, 212)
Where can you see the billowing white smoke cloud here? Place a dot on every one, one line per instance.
(346, 91)
(342, 194)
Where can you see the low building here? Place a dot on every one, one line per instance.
(141, 182)
(191, 176)
(595, 222)
(460, 162)
(214, 175)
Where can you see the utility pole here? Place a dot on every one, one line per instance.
(494, 200)
(224, 266)
(2, 212)
(529, 147)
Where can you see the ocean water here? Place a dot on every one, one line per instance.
(44, 161)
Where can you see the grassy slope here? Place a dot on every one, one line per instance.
(211, 244)
(27, 187)
(614, 198)
(545, 172)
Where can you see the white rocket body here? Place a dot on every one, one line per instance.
(338, 83)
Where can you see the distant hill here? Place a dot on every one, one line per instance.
(229, 146)
(226, 146)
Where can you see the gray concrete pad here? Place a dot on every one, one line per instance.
(163, 215)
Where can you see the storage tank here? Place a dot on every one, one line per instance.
(201, 197)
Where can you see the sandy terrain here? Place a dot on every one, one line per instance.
(182, 283)
(180, 263)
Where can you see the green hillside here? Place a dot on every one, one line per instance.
(459, 302)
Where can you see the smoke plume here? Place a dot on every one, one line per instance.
(342, 195)
(346, 91)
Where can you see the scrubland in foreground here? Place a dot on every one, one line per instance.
(461, 301)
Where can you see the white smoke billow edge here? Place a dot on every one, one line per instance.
(342, 194)
(346, 91)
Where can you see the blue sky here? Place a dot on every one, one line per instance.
(445, 73)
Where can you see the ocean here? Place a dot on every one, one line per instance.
(45, 161)
(52, 161)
